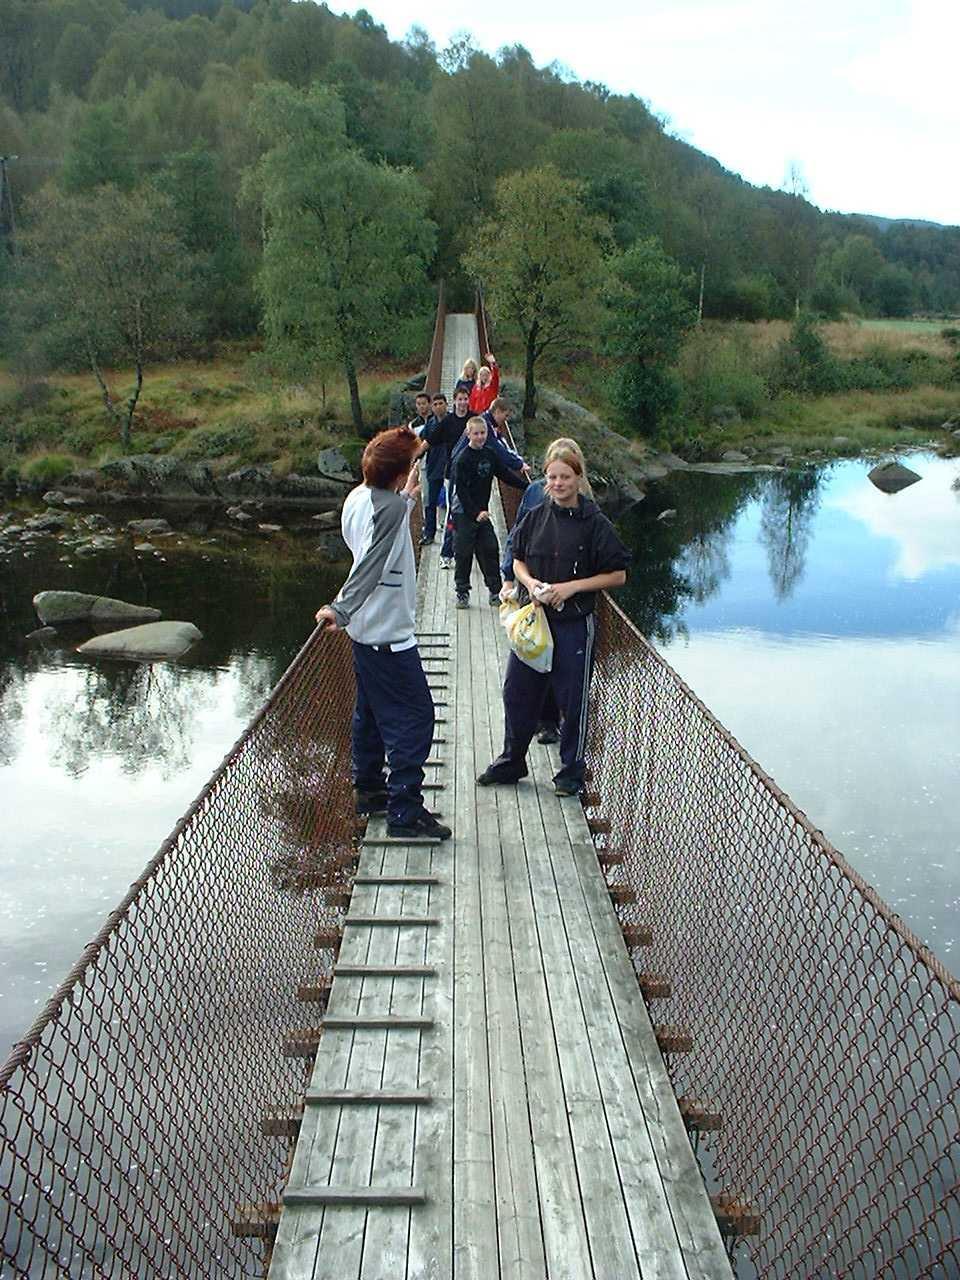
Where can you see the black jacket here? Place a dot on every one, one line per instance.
(560, 543)
(473, 475)
(441, 435)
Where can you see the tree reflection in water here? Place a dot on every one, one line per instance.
(790, 503)
(12, 689)
(141, 714)
(684, 559)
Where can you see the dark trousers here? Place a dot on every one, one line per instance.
(432, 489)
(475, 538)
(524, 692)
(549, 712)
(393, 724)
(446, 547)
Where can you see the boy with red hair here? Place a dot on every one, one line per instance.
(393, 718)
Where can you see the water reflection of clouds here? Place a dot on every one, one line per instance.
(861, 733)
(923, 521)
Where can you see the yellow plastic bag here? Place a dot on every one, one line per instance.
(529, 634)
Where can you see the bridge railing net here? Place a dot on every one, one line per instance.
(130, 1115)
(824, 1033)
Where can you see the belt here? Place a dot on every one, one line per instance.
(391, 647)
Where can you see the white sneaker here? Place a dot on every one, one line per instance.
(446, 562)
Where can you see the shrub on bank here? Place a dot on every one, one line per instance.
(716, 369)
(46, 469)
(216, 442)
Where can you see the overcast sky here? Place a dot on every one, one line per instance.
(864, 95)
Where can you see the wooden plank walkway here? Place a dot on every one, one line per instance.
(526, 1128)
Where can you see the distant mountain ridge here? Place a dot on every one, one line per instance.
(884, 224)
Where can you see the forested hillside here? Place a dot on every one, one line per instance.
(126, 90)
(179, 172)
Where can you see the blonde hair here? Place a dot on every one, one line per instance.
(472, 364)
(484, 369)
(569, 452)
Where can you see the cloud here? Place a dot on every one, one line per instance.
(922, 521)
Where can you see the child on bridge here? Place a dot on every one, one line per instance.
(393, 717)
(473, 475)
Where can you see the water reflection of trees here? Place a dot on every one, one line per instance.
(142, 714)
(685, 558)
(790, 503)
(12, 691)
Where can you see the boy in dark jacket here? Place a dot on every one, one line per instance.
(474, 471)
(441, 436)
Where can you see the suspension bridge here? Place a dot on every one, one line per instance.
(305, 1049)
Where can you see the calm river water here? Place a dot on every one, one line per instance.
(817, 617)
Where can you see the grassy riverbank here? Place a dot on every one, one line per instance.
(735, 390)
(224, 410)
(219, 410)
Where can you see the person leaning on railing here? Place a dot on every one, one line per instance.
(393, 719)
(564, 552)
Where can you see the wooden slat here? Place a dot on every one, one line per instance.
(367, 1097)
(396, 880)
(395, 842)
(384, 971)
(354, 1196)
(388, 1021)
(389, 922)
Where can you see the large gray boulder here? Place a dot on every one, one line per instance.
(332, 465)
(142, 473)
(54, 607)
(891, 477)
(296, 486)
(150, 527)
(48, 521)
(152, 641)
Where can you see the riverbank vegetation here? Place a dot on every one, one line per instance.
(291, 180)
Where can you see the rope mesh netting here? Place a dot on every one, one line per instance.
(131, 1113)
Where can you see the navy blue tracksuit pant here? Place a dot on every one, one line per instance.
(446, 547)
(524, 691)
(432, 489)
(393, 723)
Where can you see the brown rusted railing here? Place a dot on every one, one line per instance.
(435, 366)
(826, 1037)
(823, 1082)
(142, 1118)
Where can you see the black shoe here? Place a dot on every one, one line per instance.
(548, 735)
(567, 787)
(463, 602)
(371, 804)
(500, 775)
(494, 598)
(426, 542)
(423, 826)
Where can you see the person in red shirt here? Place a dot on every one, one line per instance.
(487, 386)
